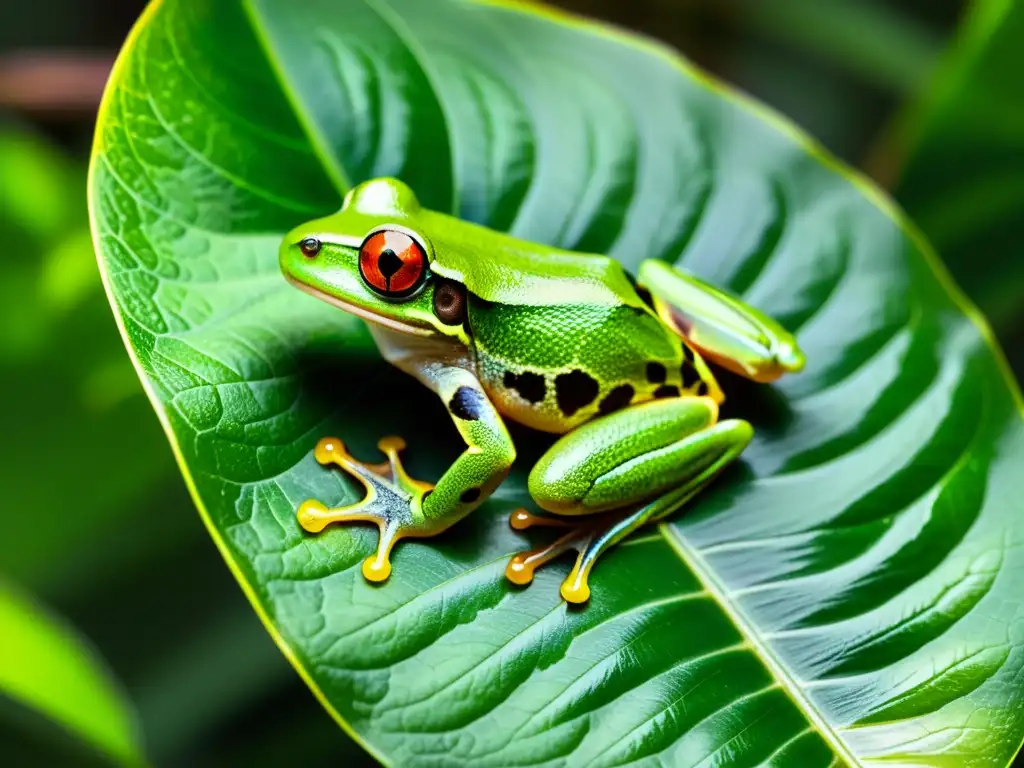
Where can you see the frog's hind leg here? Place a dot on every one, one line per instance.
(595, 537)
(643, 463)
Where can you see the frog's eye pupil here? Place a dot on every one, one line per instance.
(389, 263)
(310, 247)
(392, 263)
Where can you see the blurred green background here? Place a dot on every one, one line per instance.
(924, 95)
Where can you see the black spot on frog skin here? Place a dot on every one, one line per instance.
(530, 386)
(688, 376)
(469, 495)
(467, 404)
(618, 398)
(575, 390)
(656, 373)
(667, 390)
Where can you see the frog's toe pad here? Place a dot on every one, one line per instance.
(573, 592)
(330, 450)
(519, 570)
(376, 568)
(313, 516)
(522, 518)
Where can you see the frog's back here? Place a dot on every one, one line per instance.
(559, 337)
(557, 365)
(506, 270)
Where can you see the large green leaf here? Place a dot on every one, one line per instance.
(46, 668)
(963, 174)
(847, 594)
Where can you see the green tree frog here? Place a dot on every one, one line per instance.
(568, 343)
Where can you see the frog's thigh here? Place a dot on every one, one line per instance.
(633, 455)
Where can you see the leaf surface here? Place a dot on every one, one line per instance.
(844, 595)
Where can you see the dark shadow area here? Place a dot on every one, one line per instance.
(763, 406)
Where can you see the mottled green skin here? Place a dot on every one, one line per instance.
(622, 348)
(560, 341)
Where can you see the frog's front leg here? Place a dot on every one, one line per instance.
(624, 470)
(402, 507)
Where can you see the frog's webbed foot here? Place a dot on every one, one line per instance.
(589, 538)
(393, 500)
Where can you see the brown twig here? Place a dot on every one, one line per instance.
(53, 82)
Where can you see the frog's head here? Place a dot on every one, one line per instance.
(372, 259)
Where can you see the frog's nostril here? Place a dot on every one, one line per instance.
(310, 247)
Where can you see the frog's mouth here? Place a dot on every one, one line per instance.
(363, 312)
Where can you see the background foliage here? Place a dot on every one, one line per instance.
(128, 562)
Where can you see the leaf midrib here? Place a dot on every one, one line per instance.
(749, 632)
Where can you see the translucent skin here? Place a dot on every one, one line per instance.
(559, 341)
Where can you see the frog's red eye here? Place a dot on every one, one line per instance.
(392, 263)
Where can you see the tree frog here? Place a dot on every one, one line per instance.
(564, 342)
